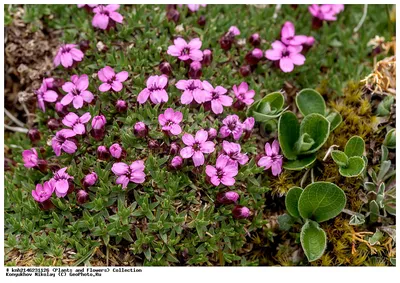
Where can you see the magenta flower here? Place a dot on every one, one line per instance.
(99, 122)
(176, 162)
(227, 197)
(272, 159)
(325, 12)
(140, 129)
(224, 171)
(185, 51)
(288, 56)
(195, 7)
(77, 91)
(233, 30)
(105, 15)
(111, 80)
(232, 151)
(43, 192)
(116, 150)
(248, 126)
(89, 180)
(310, 41)
(30, 157)
(231, 126)
(133, 173)
(77, 123)
(196, 146)
(44, 93)
(87, 5)
(192, 89)
(243, 94)
(67, 54)
(170, 121)
(82, 196)
(240, 212)
(61, 142)
(217, 98)
(60, 182)
(155, 90)
(289, 37)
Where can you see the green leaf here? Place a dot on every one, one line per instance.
(384, 107)
(354, 167)
(374, 211)
(390, 139)
(292, 201)
(354, 146)
(301, 163)
(267, 108)
(285, 222)
(317, 128)
(310, 101)
(288, 134)
(321, 201)
(376, 237)
(313, 240)
(335, 119)
(357, 219)
(339, 157)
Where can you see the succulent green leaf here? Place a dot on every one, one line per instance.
(304, 161)
(385, 105)
(354, 146)
(339, 157)
(313, 240)
(285, 222)
(376, 237)
(390, 139)
(357, 219)
(288, 134)
(321, 201)
(335, 119)
(304, 143)
(267, 108)
(374, 211)
(292, 201)
(310, 101)
(317, 128)
(354, 167)
(390, 201)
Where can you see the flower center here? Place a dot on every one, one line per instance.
(196, 146)
(65, 50)
(186, 51)
(231, 126)
(285, 53)
(110, 81)
(192, 86)
(215, 95)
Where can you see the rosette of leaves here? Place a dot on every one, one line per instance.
(309, 101)
(351, 162)
(390, 139)
(384, 106)
(318, 202)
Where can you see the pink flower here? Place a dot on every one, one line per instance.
(231, 126)
(176, 162)
(88, 5)
(116, 150)
(185, 51)
(105, 15)
(133, 173)
(325, 12)
(43, 192)
(77, 91)
(289, 37)
(170, 121)
(89, 180)
(272, 159)
(288, 56)
(140, 129)
(60, 182)
(233, 30)
(61, 142)
(232, 151)
(243, 94)
(44, 93)
(248, 126)
(196, 146)
(227, 197)
(67, 54)
(99, 122)
(111, 80)
(195, 7)
(155, 90)
(224, 171)
(192, 89)
(76, 123)
(310, 41)
(240, 212)
(30, 157)
(217, 97)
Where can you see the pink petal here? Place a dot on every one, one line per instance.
(196, 55)
(198, 158)
(201, 136)
(79, 129)
(67, 99)
(85, 117)
(187, 152)
(137, 165)
(50, 96)
(174, 51)
(211, 170)
(122, 180)
(120, 168)
(68, 87)
(278, 45)
(105, 87)
(215, 180)
(180, 43)
(122, 76)
(176, 129)
(288, 30)
(70, 119)
(265, 162)
(116, 86)
(177, 118)
(76, 54)
(268, 149)
(187, 97)
(275, 147)
(297, 58)
(276, 168)
(273, 54)
(87, 96)
(286, 64)
(169, 113)
(116, 17)
(100, 21)
(62, 186)
(228, 181)
(69, 147)
(66, 60)
(188, 139)
(143, 96)
(195, 43)
(162, 120)
(216, 107)
(207, 147)
(77, 102)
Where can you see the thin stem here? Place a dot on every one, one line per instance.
(362, 19)
(16, 129)
(328, 152)
(304, 178)
(13, 118)
(277, 9)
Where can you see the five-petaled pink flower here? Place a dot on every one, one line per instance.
(243, 94)
(111, 80)
(288, 56)
(77, 91)
(60, 182)
(232, 151)
(61, 142)
(326, 12)
(132, 173)
(192, 89)
(224, 171)
(170, 121)
(43, 192)
(67, 54)
(106, 14)
(196, 146)
(77, 123)
(155, 90)
(185, 51)
(289, 37)
(30, 157)
(217, 98)
(44, 93)
(272, 159)
(231, 126)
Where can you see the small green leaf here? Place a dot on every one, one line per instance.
(390, 139)
(354, 147)
(285, 222)
(335, 119)
(310, 101)
(301, 163)
(354, 167)
(357, 219)
(317, 128)
(267, 108)
(374, 211)
(313, 240)
(292, 201)
(288, 134)
(339, 157)
(376, 237)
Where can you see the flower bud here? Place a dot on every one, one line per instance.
(102, 153)
(42, 165)
(116, 150)
(53, 124)
(195, 70)
(245, 70)
(140, 129)
(173, 15)
(212, 134)
(82, 197)
(207, 57)
(176, 163)
(165, 68)
(255, 39)
(34, 135)
(227, 197)
(174, 148)
(99, 122)
(310, 41)
(84, 45)
(201, 21)
(248, 126)
(121, 105)
(61, 109)
(46, 205)
(254, 56)
(57, 83)
(240, 212)
(71, 186)
(89, 180)
(170, 6)
(226, 42)
(153, 144)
